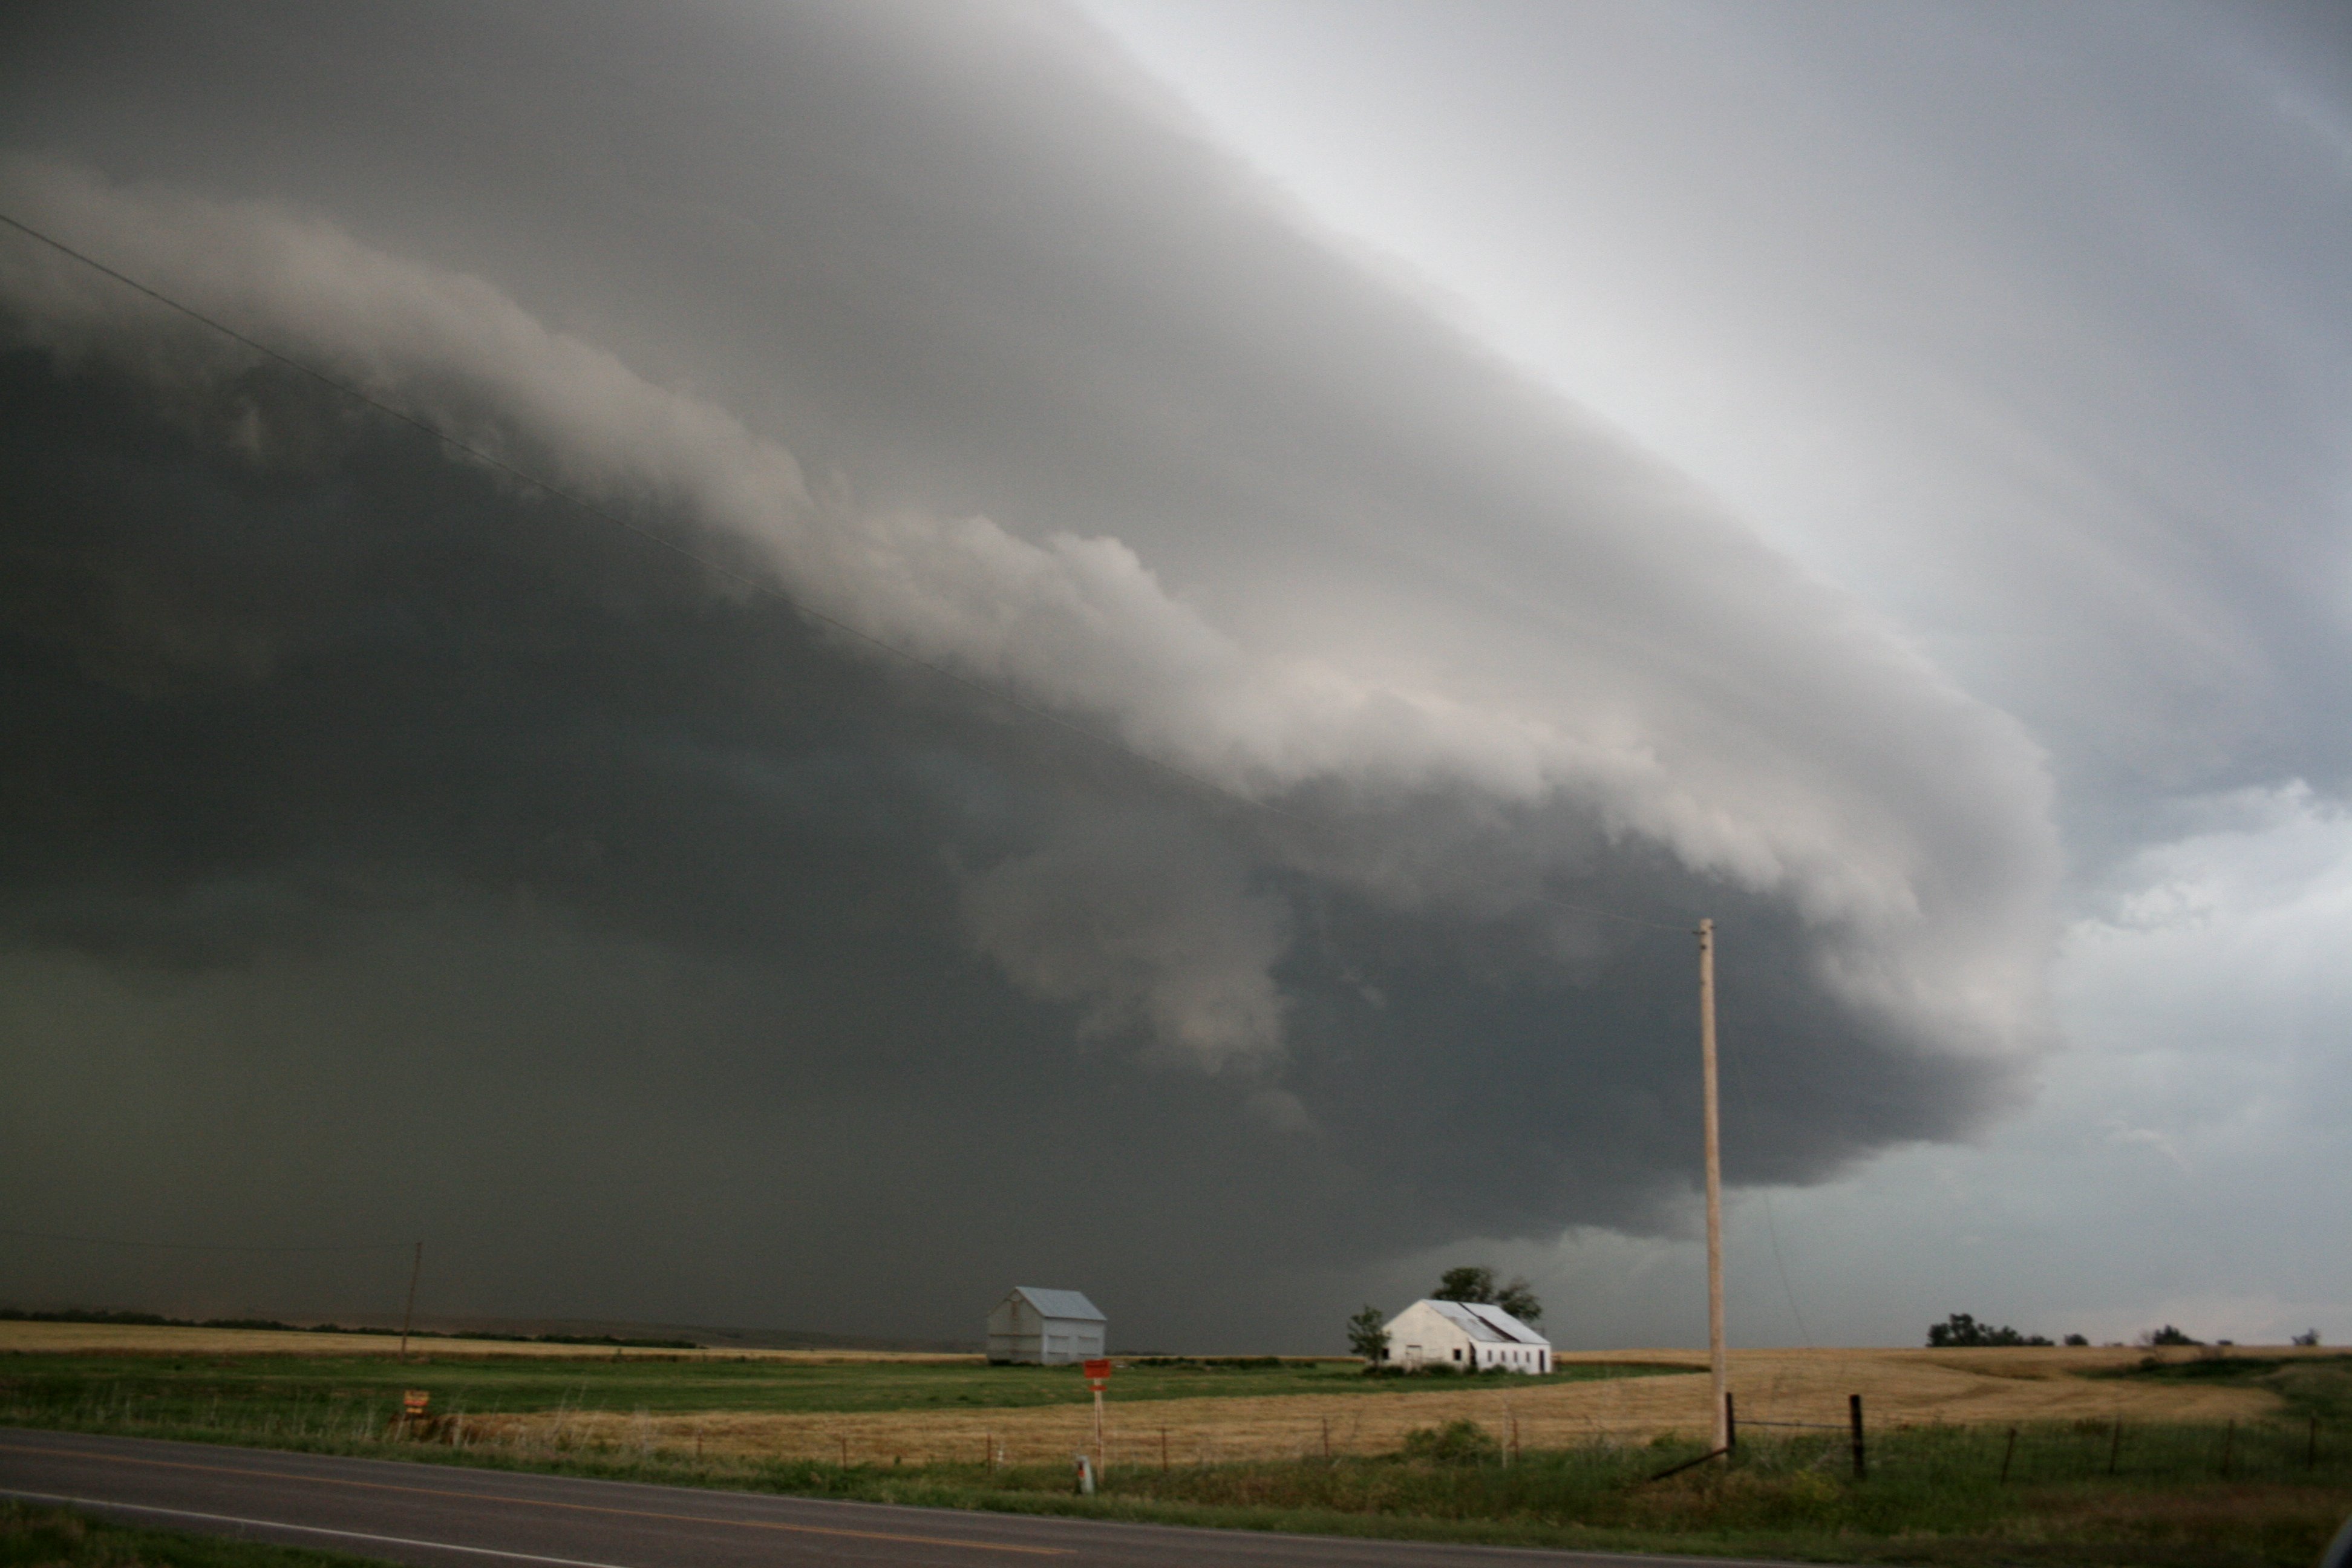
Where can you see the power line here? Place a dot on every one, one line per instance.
(201, 1246)
(1771, 1225)
(755, 584)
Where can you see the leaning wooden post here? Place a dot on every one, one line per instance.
(1715, 1360)
(1853, 1417)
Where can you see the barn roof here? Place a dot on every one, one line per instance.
(1484, 1321)
(1060, 1303)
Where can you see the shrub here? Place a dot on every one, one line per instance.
(1461, 1442)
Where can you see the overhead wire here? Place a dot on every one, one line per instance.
(1771, 1225)
(203, 1246)
(757, 584)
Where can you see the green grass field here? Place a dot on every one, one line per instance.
(241, 1391)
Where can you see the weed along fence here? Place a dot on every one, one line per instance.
(1857, 1436)
(2094, 1450)
(2023, 1453)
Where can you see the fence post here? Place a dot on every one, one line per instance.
(2007, 1455)
(1853, 1414)
(2311, 1454)
(2228, 1440)
(2115, 1446)
(1730, 1421)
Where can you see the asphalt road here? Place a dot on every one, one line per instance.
(438, 1516)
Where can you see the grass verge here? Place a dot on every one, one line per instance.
(38, 1536)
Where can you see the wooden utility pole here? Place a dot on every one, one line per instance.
(408, 1318)
(1714, 1189)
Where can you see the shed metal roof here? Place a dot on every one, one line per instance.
(1487, 1322)
(1060, 1303)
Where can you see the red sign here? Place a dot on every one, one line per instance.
(1098, 1374)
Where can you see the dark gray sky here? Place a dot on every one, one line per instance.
(1839, 517)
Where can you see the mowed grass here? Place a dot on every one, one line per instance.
(38, 1536)
(239, 1391)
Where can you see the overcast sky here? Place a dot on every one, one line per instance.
(1184, 605)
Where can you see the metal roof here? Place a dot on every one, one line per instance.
(1483, 1320)
(1060, 1303)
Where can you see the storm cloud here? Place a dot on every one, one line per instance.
(1150, 833)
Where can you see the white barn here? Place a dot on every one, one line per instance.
(1472, 1335)
(1046, 1327)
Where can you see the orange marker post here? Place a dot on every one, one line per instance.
(1098, 1372)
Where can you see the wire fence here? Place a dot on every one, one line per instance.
(2081, 1449)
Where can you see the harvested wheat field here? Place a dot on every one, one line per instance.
(164, 1339)
(1899, 1388)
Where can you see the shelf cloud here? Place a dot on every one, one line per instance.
(1099, 634)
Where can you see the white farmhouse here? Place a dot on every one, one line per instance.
(1472, 1335)
(1046, 1327)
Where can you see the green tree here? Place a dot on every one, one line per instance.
(1474, 1284)
(2167, 1335)
(1367, 1337)
(1962, 1331)
(1465, 1284)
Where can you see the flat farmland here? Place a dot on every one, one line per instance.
(906, 1408)
(1218, 1416)
(2193, 1458)
(179, 1340)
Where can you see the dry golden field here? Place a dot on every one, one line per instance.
(1899, 1388)
(139, 1339)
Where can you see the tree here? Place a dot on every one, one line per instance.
(1962, 1331)
(2076, 1340)
(1520, 1300)
(1367, 1336)
(1474, 1284)
(1465, 1284)
(2309, 1338)
(2167, 1335)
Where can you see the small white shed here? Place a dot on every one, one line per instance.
(1046, 1327)
(1472, 1335)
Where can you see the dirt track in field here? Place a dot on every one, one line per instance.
(1899, 1387)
